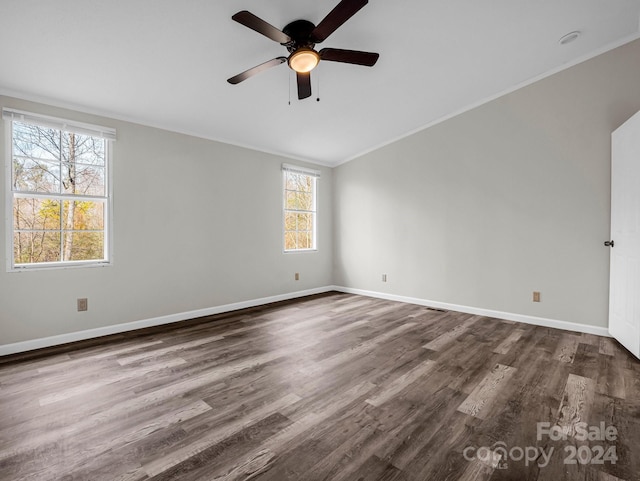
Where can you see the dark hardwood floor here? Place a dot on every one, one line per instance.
(329, 387)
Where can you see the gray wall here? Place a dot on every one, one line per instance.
(505, 199)
(197, 224)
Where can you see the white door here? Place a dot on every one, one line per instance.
(624, 282)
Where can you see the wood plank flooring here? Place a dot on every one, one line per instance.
(328, 387)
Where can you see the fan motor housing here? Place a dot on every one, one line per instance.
(300, 33)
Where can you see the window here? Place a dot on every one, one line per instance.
(300, 187)
(59, 192)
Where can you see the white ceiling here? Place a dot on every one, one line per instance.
(165, 63)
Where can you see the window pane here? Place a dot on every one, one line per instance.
(36, 214)
(304, 221)
(83, 215)
(290, 221)
(90, 180)
(83, 246)
(299, 201)
(35, 247)
(290, 182)
(291, 200)
(290, 240)
(36, 142)
(83, 149)
(297, 182)
(305, 183)
(82, 179)
(304, 240)
(305, 201)
(36, 175)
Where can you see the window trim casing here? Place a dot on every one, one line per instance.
(106, 133)
(316, 175)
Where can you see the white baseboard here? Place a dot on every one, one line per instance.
(509, 316)
(31, 345)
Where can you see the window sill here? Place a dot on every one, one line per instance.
(299, 251)
(45, 266)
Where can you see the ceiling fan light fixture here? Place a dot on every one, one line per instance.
(304, 60)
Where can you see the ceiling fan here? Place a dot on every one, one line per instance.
(300, 38)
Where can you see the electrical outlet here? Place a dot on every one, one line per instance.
(83, 304)
(297, 276)
(536, 296)
(384, 278)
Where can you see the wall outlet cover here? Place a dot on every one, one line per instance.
(83, 304)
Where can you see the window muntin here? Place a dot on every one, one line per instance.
(59, 194)
(300, 186)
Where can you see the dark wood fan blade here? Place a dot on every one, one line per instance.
(368, 59)
(255, 70)
(248, 19)
(336, 17)
(304, 85)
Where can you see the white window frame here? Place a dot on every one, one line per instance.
(106, 133)
(315, 175)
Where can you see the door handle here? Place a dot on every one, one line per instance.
(609, 243)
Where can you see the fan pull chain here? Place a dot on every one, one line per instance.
(318, 86)
(289, 81)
